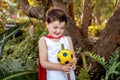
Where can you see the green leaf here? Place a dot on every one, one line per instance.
(19, 75)
(3, 70)
(1, 23)
(97, 58)
(4, 67)
(30, 65)
(14, 65)
(83, 74)
(112, 70)
(6, 35)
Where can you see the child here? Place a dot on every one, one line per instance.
(50, 45)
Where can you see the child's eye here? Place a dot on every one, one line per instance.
(55, 27)
(62, 28)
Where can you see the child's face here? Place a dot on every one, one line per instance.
(56, 28)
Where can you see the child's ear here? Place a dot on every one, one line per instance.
(46, 24)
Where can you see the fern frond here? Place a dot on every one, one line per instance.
(97, 58)
(112, 69)
(118, 78)
(84, 61)
(115, 56)
(83, 74)
(114, 65)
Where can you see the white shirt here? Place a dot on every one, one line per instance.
(53, 48)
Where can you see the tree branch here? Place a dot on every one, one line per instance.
(36, 12)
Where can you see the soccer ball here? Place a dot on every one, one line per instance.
(64, 56)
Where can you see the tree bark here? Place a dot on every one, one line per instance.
(86, 21)
(108, 42)
(71, 9)
(110, 37)
(36, 12)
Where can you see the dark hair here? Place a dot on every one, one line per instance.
(54, 14)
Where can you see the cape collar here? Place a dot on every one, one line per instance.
(51, 37)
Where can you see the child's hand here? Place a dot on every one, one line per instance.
(66, 68)
(73, 63)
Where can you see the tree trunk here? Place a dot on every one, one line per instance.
(86, 21)
(109, 40)
(110, 37)
(71, 9)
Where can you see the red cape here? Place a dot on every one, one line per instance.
(41, 72)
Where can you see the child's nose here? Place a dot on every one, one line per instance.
(58, 30)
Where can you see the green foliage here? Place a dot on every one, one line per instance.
(93, 30)
(40, 29)
(98, 59)
(113, 70)
(20, 58)
(11, 67)
(1, 26)
(83, 75)
(23, 52)
(114, 57)
(12, 70)
(6, 35)
(1, 23)
(112, 67)
(17, 60)
(105, 7)
(78, 10)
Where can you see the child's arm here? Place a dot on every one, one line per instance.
(43, 55)
(74, 61)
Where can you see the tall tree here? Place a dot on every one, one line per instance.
(108, 41)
